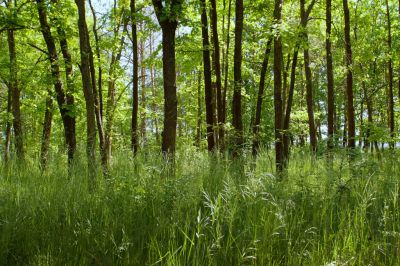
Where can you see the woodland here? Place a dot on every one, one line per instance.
(199, 132)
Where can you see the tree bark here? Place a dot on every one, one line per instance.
(167, 18)
(349, 78)
(257, 119)
(87, 91)
(135, 82)
(217, 67)
(46, 134)
(15, 96)
(309, 87)
(207, 78)
(237, 77)
(278, 107)
(226, 62)
(329, 73)
(286, 123)
(390, 72)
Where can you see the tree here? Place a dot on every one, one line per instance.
(237, 78)
(87, 85)
(260, 95)
(135, 81)
(278, 106)
(167, 17)
(207, 77)
(390, 77)
(351, 128)
(63, 103)
(329, 74)
(217, 67)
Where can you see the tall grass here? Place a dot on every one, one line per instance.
(212, 212)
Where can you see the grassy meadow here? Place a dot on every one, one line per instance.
(211, 212)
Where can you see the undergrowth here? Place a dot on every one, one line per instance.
(213, 211)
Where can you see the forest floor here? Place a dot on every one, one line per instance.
(211, 212)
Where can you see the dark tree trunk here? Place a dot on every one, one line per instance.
(15, 96)
(349, 78)
(65, 100)
(45, 146)
(199, 111)
(257, 119)
(390, 71)
(309, 87)
(135, 82)
(278, 106)
(226, 62)
(87, 90)
(237, 77)
(286, 123)
(167, 17)
(217, 67)
(207, 78)
(329, 73)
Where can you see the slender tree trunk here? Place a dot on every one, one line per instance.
(286, 123)
(349, 78)
(87, 91)
(217, 67)
(257, 119)
(98, 56)
(207, 77)
(15, 95)
(143, 90)
(168, 25)
(278, 90)
(45, 146)
(226, 62)
(329, 73)
(199, 111)
(237, 77)
(135, 82)
(390, 72)
(309, 87)
(153, 89)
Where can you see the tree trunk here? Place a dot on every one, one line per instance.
(87, 91)
(207, 78)
(278, 90)
(226, 62)
(168, 22)
(48, 118)
(237, 77)
(390, 71)
(309, 87)
(286, 123)
(15, 95)
(349, 78)
(329, 73)
(135, 82)
(199, 112)
(217, 67)
(143, 90)
(257, 119)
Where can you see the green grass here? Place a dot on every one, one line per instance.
(213, 212)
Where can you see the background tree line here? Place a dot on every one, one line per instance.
(232, 76)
